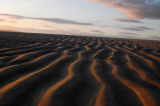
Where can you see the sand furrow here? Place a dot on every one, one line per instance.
(30, 49)
(140, 72)
(45, 100)
(99, 44)
(19, 48)
(60, 70)
(150, 55)
(21, 56)
(24, 51)
(95, 54)
(9, 86)
(101, 93)
(150, 63)
(155, 52)
(144, 96)
(29, 62)
(146, 54)
(26, 57)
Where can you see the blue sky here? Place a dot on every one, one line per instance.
(125, 18)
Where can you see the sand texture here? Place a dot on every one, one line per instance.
(61, 70)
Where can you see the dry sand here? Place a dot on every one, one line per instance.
(61, 70)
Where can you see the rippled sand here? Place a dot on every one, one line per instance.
(59, 70)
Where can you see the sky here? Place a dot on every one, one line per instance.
(136, 19)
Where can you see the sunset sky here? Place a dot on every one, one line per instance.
(108, 18)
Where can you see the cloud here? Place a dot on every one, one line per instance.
(36, 30)
(128, 33)
(49, 31)
(25, 29)
(12, 21)
(136, 9)
(104, 26)
(130, 37)
(52, 20)
(136, 28)
(2, 20)
(127, 20)
(97, 31)
(155, 37)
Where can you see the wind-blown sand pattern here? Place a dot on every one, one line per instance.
(61, 70)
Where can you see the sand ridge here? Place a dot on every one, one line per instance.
(61, 70)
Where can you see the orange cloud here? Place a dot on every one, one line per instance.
(136, 9)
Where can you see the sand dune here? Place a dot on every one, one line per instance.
(59, 70)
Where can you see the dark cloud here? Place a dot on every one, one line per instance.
(136, 28)
(136, 9)
(52, 20)
(155, 37)
(97, 31)
(130, 37)
(127, 20)
(104, 26)
(128, 33)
